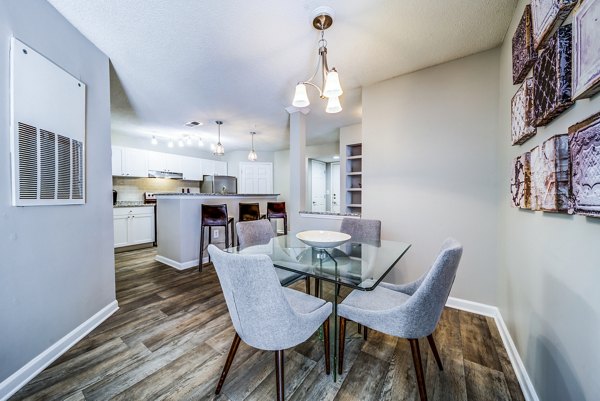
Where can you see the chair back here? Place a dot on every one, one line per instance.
(276, 210)
(214, 215)
(259, 310)
(428, 301)
(362, 230)
(249, 211)
(256, 232)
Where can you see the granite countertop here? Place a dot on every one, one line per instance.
(205, 195)
(133, 204)
(330, 213)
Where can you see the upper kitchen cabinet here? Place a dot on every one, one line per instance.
(164, 162)
(214, 167)
(191, 168)
(129, 162)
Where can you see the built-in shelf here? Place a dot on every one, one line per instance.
(353, 177)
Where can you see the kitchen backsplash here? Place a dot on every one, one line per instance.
(132, 189)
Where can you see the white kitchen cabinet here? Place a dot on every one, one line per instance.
(156, 161)
(117, 160)
(128, 162)
(133, 225)
(214, 167)
(191, 168)
(220, 168)
(172, 162)
(164, 162)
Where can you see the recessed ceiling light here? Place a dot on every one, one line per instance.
(193, 124)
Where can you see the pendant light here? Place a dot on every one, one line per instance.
(252, 156)
(219, 149)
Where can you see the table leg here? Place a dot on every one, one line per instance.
(335, 331)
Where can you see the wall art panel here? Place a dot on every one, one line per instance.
(584, 144)
(520, 182)
(586, 50)
(550, 175)
(552, 77)
(523, 51)
(522, 114)
(547, 15)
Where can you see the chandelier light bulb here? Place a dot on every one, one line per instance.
(154, 140)
(170, 144)
(333, 105)
(332, 85)
(300, 97)
(252, 156)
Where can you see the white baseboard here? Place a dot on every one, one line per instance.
(515, 359)
(21, 377)
(179, 265)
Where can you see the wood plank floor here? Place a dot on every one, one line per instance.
(170, 337)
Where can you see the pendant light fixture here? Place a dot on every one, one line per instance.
(330, 85)
(219, 149)
(252, 156)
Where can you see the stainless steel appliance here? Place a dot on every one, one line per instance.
(165, 174)
(219, 184)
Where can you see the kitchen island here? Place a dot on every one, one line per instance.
(178, 223)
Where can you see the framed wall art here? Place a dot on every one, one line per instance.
(523, 51)
(520, 182)
(522, 114)
(550, 175)
(584, 148)
(547, 15)
(586, 50)
(552, 77)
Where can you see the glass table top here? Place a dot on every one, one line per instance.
(359, 265)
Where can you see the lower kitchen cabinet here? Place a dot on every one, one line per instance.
(133, 225)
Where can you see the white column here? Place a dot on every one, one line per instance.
(297, 201)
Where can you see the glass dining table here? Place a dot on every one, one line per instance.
(356, 265)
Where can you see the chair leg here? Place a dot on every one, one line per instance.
(435, 351)
(201, 248)
(416, 354)
(279, 368)
(285, 225)
(209, 239)
(326, 345)
(226, 236)
(317, 287)
(341, 342)
(365, 331)
(234, 346)
(359, 328)
(307, 283)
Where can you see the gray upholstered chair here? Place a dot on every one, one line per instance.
(410, 311)
(264, 314)
(362, 229)
(259, 232)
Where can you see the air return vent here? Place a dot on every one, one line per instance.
(48, 131)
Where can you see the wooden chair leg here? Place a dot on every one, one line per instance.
(326, 345)
(435, 351)
(226, 236)
(341, 342)
(359, 328)
(365, 331)
(201, 248)
(279, 368)
(234, 346)
(307, 283)
(285, 225)
(416, 354)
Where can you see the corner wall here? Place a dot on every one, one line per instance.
(429, 168)
(549, 267)
(57, 264)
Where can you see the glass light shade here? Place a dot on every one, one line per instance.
(154, 141)
(300, 98)
(252, 156)
(333, 105)
(332, 85)
(219, 149)
(170, 144)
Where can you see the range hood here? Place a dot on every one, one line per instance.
(165, 174)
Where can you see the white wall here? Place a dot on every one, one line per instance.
(549, 267)
(429, 168)
(57, 266)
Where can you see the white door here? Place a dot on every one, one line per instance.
(255, 178)
(319, 186)
(335, 188)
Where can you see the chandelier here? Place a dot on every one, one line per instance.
(330, 87)
(219, 149)
(252, 156)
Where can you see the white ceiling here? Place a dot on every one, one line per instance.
(239, 60)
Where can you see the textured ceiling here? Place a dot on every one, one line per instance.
(238, 61)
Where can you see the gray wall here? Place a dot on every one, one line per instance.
(57, 267)
(429, 168)
(549, 267)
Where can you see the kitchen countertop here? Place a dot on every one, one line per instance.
(196, 194)
(331, 214)
(132, 204)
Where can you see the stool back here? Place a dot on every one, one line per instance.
(214, 215)
(276, 210)
(249, 212)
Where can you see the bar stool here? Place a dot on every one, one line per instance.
(214, 216)
(276, 210)
(250, 212)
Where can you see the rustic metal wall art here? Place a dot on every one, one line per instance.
(523, 51)
(584, 144)
(520, 183)
(522, 114)
(552, 77)
(550, 175)
(586, 50)
(547, 15)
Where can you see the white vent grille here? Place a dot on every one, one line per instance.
(48, 131)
